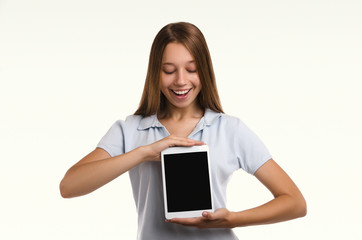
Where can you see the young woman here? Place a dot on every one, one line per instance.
(180, 106)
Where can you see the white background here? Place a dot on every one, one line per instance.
(291, 70)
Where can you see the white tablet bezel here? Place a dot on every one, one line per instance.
(177, 150)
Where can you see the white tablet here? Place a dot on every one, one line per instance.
(187, 186)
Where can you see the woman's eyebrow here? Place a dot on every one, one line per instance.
(169, 63)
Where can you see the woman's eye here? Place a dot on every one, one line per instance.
(191, 70)
(168, 72)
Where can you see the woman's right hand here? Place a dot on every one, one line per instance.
(153, 151)
(99, 168)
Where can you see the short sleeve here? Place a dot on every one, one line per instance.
(113, 140)
(251, 151)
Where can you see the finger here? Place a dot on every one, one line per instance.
(199, 222)
(218, 214)
(206, 215)
(209, 216)
(183, 142)
(186, 221)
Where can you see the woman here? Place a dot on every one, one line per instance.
(180, 107)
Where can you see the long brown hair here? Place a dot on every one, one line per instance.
(152, 100)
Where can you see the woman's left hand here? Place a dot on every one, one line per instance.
(218, 219)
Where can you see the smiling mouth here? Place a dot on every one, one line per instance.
(181, 93)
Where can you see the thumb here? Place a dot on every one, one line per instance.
(218, 214)
(209, 215)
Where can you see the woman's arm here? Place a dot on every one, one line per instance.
(98, 167)
(95, 170)
(288, 203)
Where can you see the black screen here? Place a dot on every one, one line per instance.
(187, 181)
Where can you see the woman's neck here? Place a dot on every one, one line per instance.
(171, 112)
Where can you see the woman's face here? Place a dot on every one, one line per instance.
(180, 81)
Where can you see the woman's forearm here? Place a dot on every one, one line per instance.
(98, 168)
(281, 208)
(84, 178)
(288, 202)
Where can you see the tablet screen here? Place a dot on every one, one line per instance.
(187, 181)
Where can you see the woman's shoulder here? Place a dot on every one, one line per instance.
(233, 125)
(133, 118)
(127, 122)
(230, 119)
(212, 117)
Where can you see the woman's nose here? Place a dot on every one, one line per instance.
(181, 78)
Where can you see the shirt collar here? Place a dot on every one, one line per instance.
(210, 117)
(151, 121)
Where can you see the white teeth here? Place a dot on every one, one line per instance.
(181, 92)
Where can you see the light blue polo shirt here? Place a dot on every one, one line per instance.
(232, 145)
